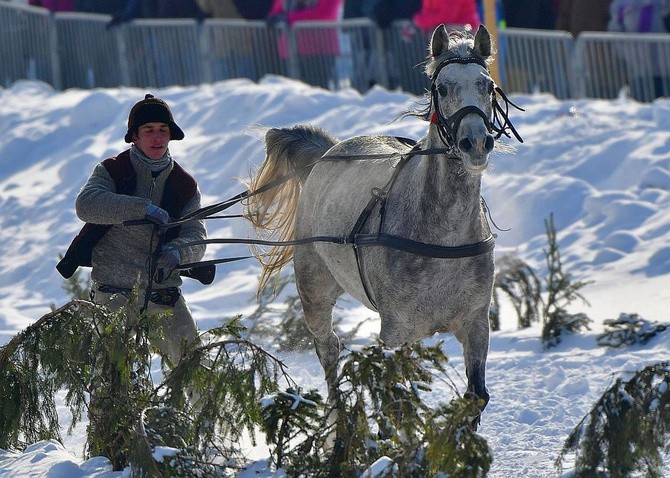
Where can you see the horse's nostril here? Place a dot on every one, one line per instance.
(489, 143)
(465, 145)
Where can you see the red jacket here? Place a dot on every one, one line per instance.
(449, 12)
(318, 42)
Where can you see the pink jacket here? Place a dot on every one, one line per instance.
(309, 43)
(54, 5)
(449, 12)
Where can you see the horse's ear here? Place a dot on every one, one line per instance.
(483, 42)
(439, 42)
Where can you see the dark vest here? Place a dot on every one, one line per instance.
(179, 189)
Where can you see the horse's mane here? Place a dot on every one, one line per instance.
(461, 45)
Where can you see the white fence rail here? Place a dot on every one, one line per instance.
(79, 50)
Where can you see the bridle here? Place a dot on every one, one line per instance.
(447, 128)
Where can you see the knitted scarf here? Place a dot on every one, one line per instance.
(154, 165)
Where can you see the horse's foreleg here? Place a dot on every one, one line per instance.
(475, 343)
(318, 317)
(326, 342)
(318, 292)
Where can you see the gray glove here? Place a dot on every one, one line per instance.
(167, 261)
(157, 215)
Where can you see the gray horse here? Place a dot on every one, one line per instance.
(417, 245)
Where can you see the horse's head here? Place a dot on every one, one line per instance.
(461, 94)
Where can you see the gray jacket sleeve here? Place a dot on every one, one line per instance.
(98, 203)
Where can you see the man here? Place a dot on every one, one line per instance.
(142, 184)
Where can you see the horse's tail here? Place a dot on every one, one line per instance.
(290, 155)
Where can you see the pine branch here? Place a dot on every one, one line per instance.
(10, 348)
(380, 414)
(520, 284)
(561, 292)
(34, 367)
(626, 430)
(629, 329)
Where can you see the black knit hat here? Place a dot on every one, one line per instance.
(151, 110)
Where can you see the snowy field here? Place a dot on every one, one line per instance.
(601, 167)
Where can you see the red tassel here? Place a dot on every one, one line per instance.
(433, 118)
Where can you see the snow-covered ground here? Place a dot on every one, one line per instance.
(601, 167)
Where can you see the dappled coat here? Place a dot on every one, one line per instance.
(448, 12)
(321, 42)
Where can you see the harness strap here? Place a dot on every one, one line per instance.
(352, 239)
(427, 250)
(207, 211)
(377, 195)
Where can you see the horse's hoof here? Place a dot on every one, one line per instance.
(481, 403)
(479, 400)
(475, 422)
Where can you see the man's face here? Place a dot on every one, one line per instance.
(152, 139)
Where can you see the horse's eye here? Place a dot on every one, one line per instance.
(442, 90)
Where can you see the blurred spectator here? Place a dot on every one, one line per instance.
(449, 12)
(536, 14)
(231, 52)
(107, 7)
(576, 16)
(647, 81)
(154, 56)
(550, 76)
(219, 8)
(639, 16)
(131, 9)
(174, 9)
(382, 12)
(254, 9)
(316, 49)
(157, 9)
(367, 68)
(54, 5)
(365, 72)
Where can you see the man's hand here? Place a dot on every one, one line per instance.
(167, 261)
(157, 215)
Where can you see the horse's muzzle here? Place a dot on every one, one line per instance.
(475, 144)
(466, 146)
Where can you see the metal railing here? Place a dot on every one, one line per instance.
(610, 61)
(537, 60)
(80, 50)
(27, 45)
(88, 55)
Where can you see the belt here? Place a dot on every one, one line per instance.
(167, 296)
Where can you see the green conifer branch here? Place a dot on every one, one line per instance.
(561, 292)
(381, 414)
(627, 430)
(520, 284)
